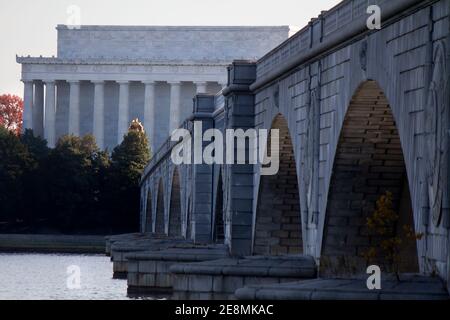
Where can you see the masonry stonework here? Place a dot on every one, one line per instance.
(278, 226)
(361, 107)
(160, 224)
(175, 207)
(368, 163)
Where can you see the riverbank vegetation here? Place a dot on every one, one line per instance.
(74, 188)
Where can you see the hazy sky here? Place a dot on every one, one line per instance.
(27, 27)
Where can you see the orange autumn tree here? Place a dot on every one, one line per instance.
(11, 111)
(383, 223)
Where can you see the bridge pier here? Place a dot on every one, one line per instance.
(149, 271)
(203, 174)
(240, 114)
(122, 249)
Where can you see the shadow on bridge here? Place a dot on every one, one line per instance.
(369, 162)
(278, 229)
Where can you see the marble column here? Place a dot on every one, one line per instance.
(123, 121)
(201, 87)
(98, 117)
(175, 112)
(74, 108)
(149, 112)
(50, 113)
(27, 105)
(38, 109)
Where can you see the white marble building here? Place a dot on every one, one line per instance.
(105, 76)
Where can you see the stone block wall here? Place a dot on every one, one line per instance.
(278, 226)
(172, 43)
(148, 220)
(306, 79)
(184, 194)
(368, 163)
(175, 207)
(349, 150)
(219, 218)
(160, 224)
(202, 187)
(240, 114)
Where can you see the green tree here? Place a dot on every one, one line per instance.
(72, 188)
(15, 163)
(33, 191)
(36, 146)
(71, 172)
(128, 161)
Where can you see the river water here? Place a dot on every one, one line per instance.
(58, 276)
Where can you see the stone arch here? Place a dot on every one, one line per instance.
(278, 222)
(369, 161)
(219, 222)
(160, 221)
(175, 206)
(148, 225)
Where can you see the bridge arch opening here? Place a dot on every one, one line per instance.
(160, 221)
(148, 227)
(175, 207)
(369, 162)
(219, 223)
(277, 228)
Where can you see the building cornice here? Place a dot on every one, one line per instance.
(115, 61)
(71, 70)
(172, 28)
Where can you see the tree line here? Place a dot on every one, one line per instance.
(74, 188)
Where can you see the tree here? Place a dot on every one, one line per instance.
(383, 224)
(11, 111)
(71, 173)
(36, 145)
(33, 191)
(132, 155)
(128, 161)
(73, 188)
(15, 163)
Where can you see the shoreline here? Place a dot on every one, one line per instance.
(38, 243)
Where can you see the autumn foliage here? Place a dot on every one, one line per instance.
(383, 223)
(11, 110)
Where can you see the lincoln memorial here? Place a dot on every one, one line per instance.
(105, 76)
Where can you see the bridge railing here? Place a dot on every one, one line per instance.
(165, 149)
(331, 28)
(219, 101)
(163, 152)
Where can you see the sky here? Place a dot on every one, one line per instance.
(27, 27)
